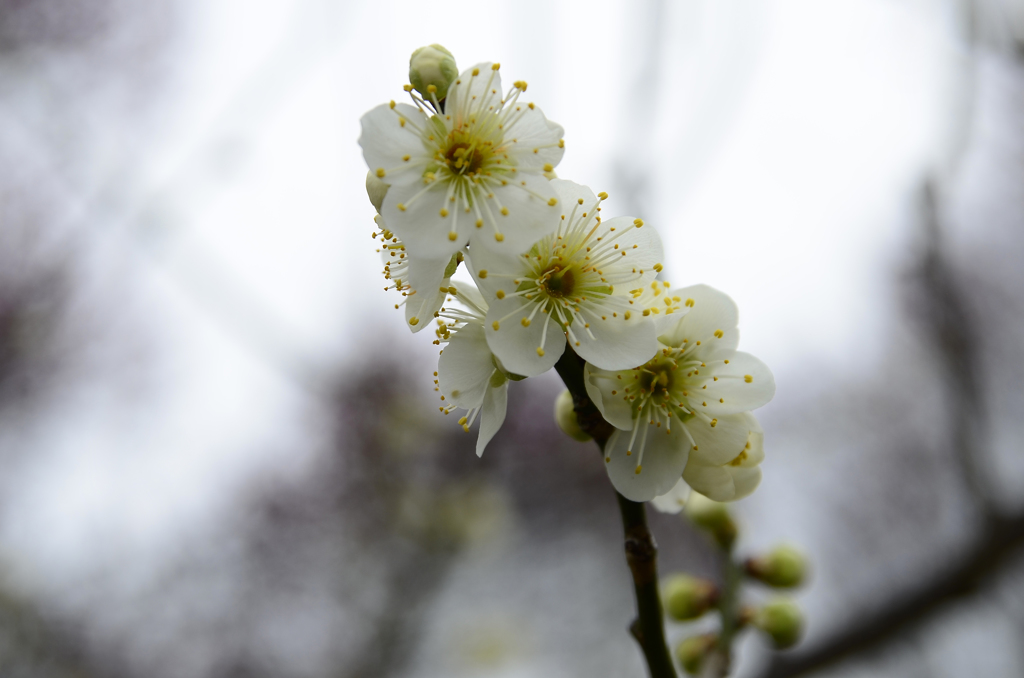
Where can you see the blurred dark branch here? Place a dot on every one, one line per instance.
(1000, 540)
(641, 551)
(949, 326)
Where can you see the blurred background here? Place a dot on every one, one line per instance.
(221, 450)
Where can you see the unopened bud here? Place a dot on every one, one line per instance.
(783, 621)
(688, 597)
(784, 567)
(375, 190)
(565, 417)
(432, 66)
(692, 652)
(712, 516)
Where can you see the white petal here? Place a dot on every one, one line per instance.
(420, 225)
(617, 343)
(492, 414)
(674, 500)
(516, 345)
(470, 297)
(499, 270)
(664, 458)
(386, 142)
(615, 410)
(426, 278)
(641, 248)
(755, 453)
(531, 132)
(722, 483)
(710, 311)
(744, 384)
(470, 95)
(516, 214)
(465, 367)
(721, 443)
(570, 193)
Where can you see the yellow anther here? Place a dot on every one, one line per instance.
(443, 212)
(479, 223)
(452, 235)
(552, 201)
(638, 222)
(525, 322)
(407, 88)
(405, 158)
(499, 237)
(602, 195)
(414, 320)
(607, 460)
(748, 378)
(726, 362)
(476, 71)
(500, 294)
(482, 273)
(401, 207)
(504, 211)
(561, 143)
(580, 201)
(548, 167)
(714, 423)
(494, 325)
(392, 104)
(453, 291)
(431, 89)
(638, 469)
(463, 420)
(658, 268)
(540, 352)
(380, 172)
(718, 333)
(690, 303)
(495, 67)
(628, 315)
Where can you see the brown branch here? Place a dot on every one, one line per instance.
(641, 552)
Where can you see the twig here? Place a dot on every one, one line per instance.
(641, 552)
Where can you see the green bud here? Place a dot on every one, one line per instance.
(565, 417)
(692, 652)
(688, 597)
(376, 190)
(432, 66)
(712, 516)
(783, 621)
(784, 567)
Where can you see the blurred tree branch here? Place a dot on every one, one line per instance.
(946, 320)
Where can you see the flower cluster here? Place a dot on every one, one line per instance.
(465, 174)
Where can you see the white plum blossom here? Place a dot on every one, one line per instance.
(422, 282)
(469, 170)
(687, 407)
(468, 375)
(578, 282)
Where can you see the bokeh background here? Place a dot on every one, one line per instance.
(221, 450)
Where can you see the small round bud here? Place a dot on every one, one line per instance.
(783, 621)
(565, 417)
(688, 597)
(712, 516)
(692, 651)
(432, 66)
(784, 567)
(376, 190)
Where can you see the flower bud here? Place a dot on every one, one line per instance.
(783, 621)
(432, 66)
(688, 597)
(784, 567)
(712, 516)
(375, 190)
(565, 417)
(692, 652)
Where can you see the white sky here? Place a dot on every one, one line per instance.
(782, 152)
